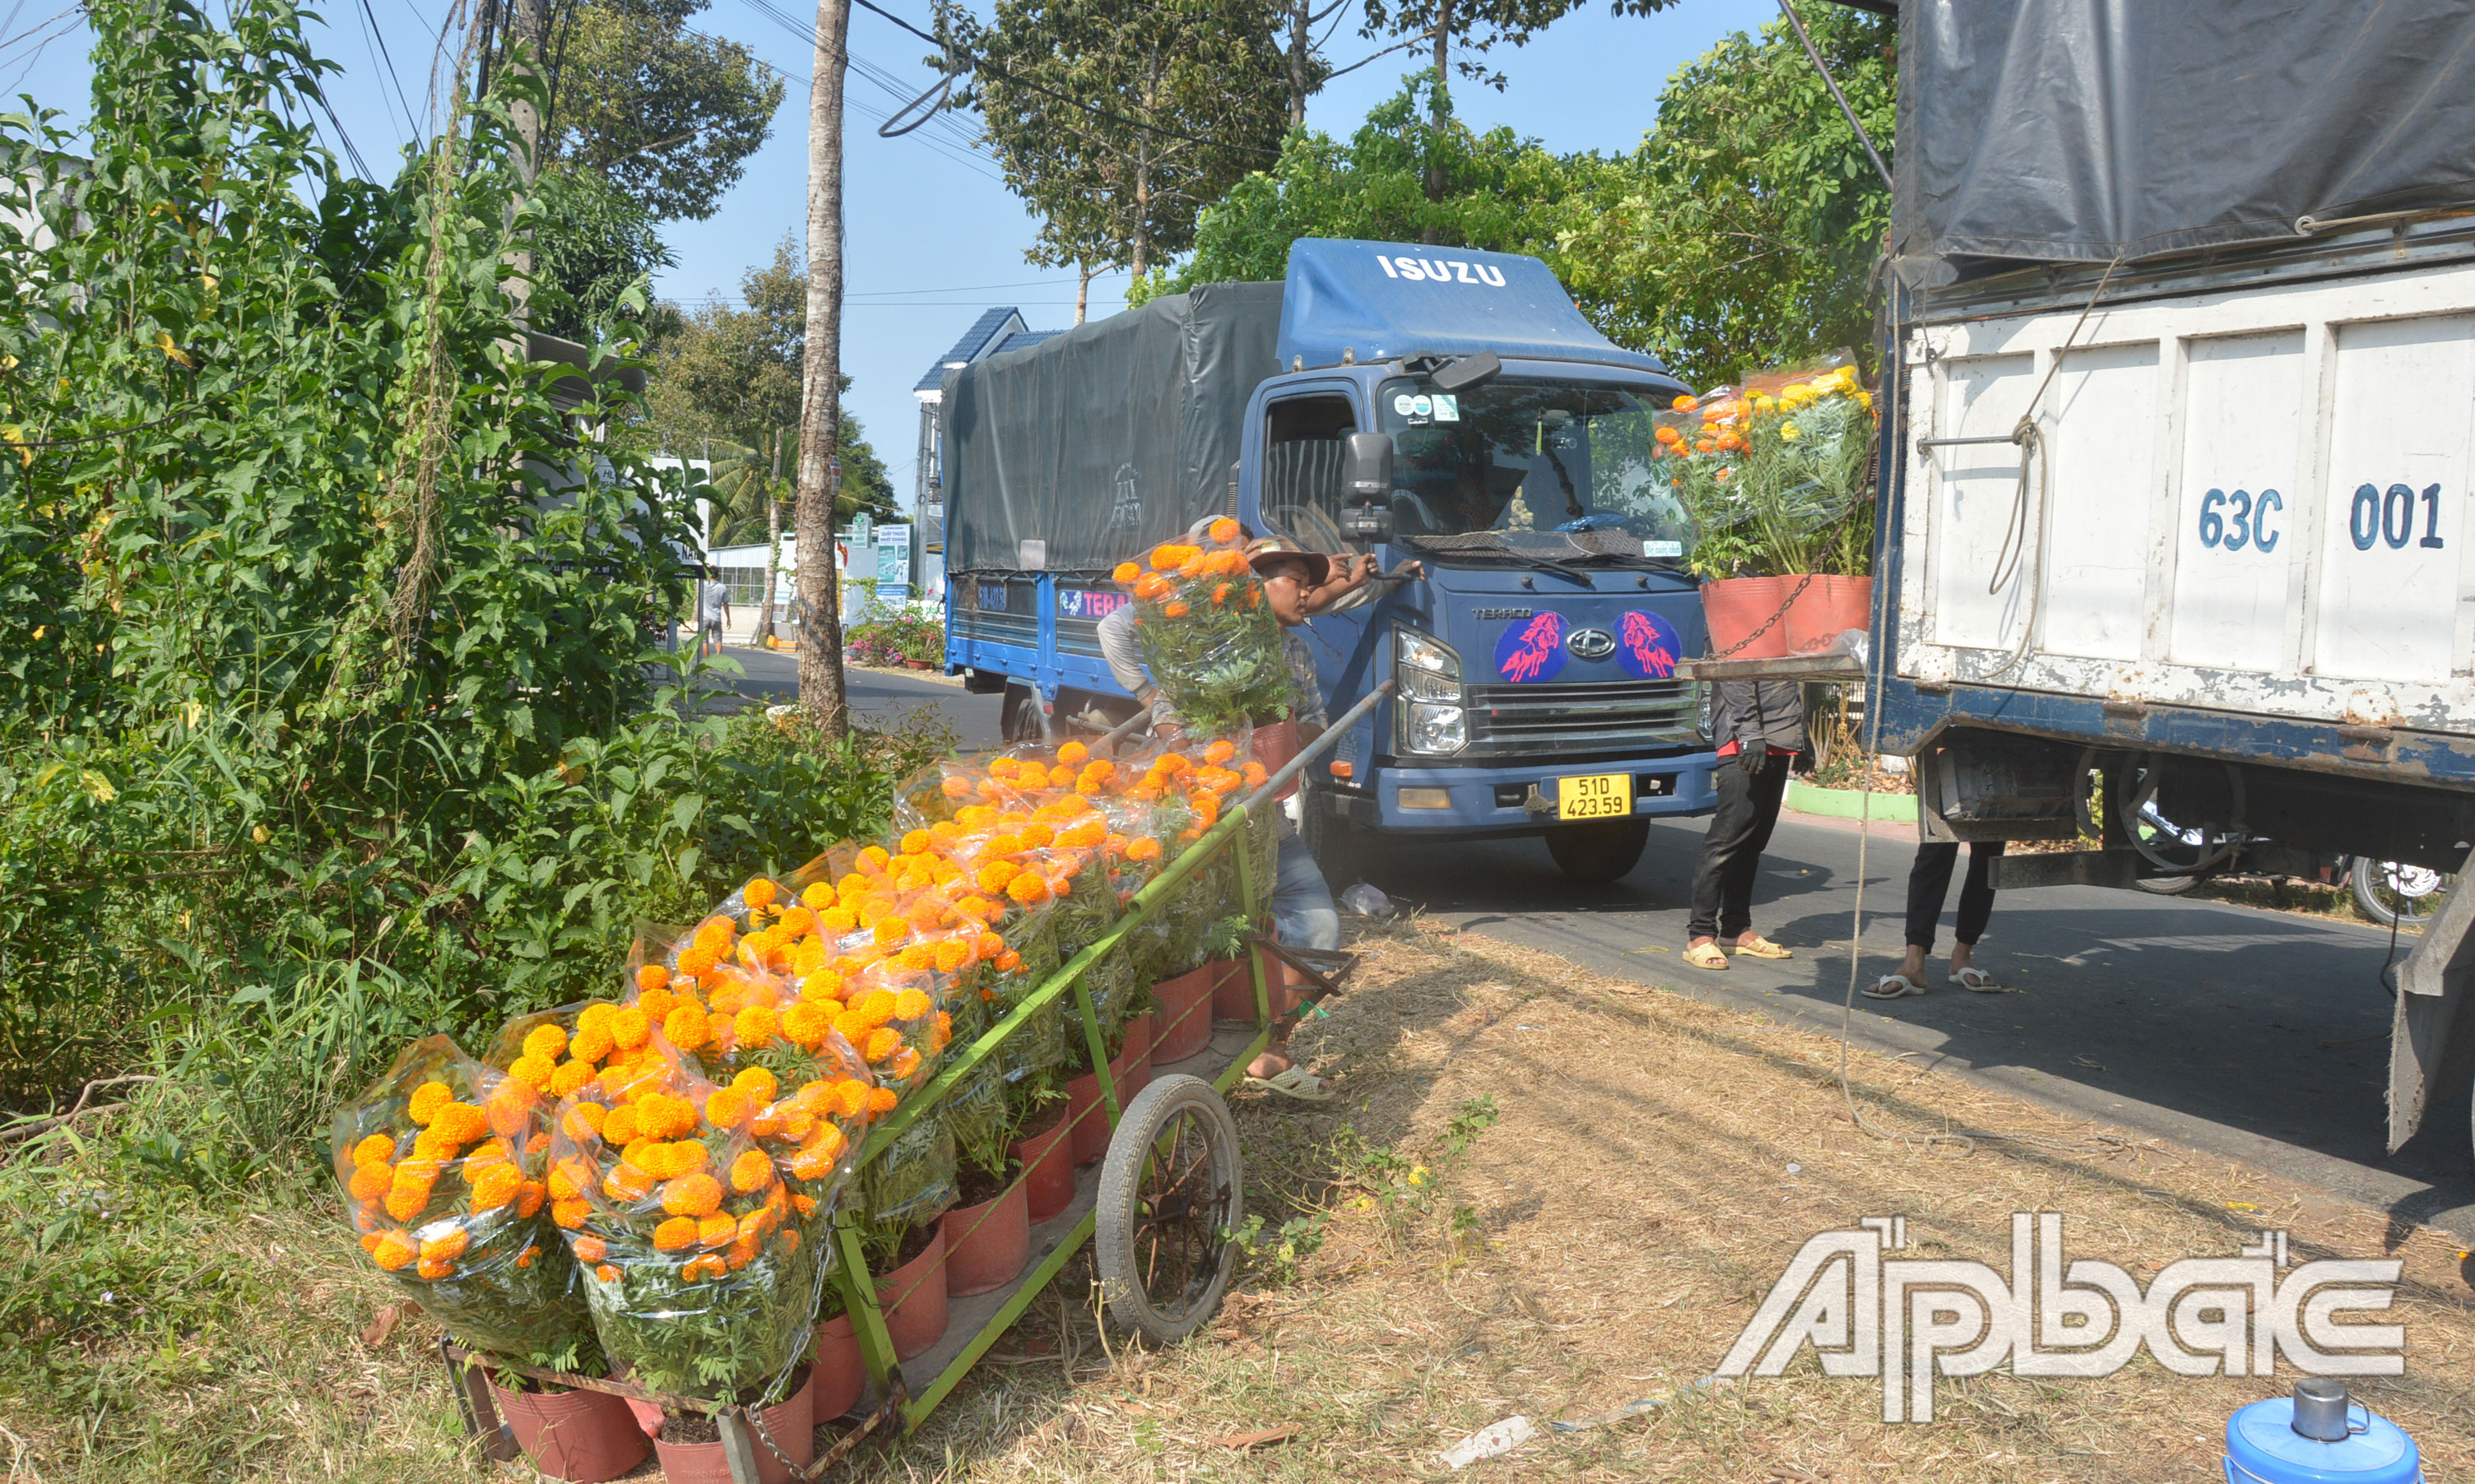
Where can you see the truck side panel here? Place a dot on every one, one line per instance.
(2252, 502)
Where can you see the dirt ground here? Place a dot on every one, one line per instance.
(1654, 1165)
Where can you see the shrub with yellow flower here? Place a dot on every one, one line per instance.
(443, 1162)
(1774, 473)
(1212, 646)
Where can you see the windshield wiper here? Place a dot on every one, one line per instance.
(1503, 554)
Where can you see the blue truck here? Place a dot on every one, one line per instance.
(1446, 406)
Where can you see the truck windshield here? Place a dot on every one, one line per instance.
(1507, 466)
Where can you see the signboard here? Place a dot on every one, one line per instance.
(893, 563)
(1087, 603)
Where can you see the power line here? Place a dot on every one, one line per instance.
(371, 29)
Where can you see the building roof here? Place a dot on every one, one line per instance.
(977, 341)
(1022, 339)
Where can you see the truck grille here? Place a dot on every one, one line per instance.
(1593, 717)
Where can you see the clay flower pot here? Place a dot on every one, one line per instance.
(1047, 1160)
(1828, 606)
(1735, 607)
(581, 1435)
(1131, 1072)
(840, 1374)
(913, 1297)
(1233, 990)
(1182, 1026)
(986, 1245)
(1274, 746)
(787, 1423)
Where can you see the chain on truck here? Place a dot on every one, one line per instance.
(1444, 406)
(2176, 549)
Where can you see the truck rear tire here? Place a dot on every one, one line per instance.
(1339, 845)
(1018, 715)
(1600, 851)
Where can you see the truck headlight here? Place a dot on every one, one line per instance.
(1428, 727)
(1704, 705)
(1429, 673)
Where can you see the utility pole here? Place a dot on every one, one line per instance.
(1436, 123)
(820, 653)
(526, 32)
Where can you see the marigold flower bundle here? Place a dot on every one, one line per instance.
(1211, 644)
(691, 1243)
(1773, 472)
(443, 1165)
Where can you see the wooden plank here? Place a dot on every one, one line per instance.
(1842, 668)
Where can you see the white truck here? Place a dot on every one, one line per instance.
(2178, 468)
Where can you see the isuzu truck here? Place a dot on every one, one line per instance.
(1437, 405)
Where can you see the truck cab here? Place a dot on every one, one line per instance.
(1454, 409)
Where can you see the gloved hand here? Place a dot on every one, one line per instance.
(1754, 760)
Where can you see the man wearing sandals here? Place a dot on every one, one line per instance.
(1759, 727)
(1928, 884)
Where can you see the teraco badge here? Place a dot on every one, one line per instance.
(1906, 1319)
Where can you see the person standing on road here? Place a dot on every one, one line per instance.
(713, 610)
(1928, 886)
(1759, 727)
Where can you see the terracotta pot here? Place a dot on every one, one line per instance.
(1233, 992)
(913, 1297)
(1182, 1026)
(911, 664)
(986, 1245)
(840, 1374)
(1733, 607)
(583, 1435)
(1131, 1073)
(1274, 747)
(1047, 1160)
(1828, 606)
(788, 1425)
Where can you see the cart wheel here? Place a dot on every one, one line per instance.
(1170, 1190)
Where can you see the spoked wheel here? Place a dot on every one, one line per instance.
(1170, 1191)
(2394, 894)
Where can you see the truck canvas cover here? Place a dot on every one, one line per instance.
(1382, 300)
(1106, 439)
(2086, 131)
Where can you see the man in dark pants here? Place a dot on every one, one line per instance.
(1928, 885)
(1759, 727)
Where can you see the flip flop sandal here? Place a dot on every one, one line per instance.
(1706, 956)
(1894, 986)
(1293, 1083)
(1978, 980)
(1764, 948)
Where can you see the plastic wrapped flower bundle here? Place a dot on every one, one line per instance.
(691, 1243)
(1774, 471)
(1211, 644)
(443, 1166)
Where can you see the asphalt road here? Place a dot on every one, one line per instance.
(773, 677)
(2257, 1034)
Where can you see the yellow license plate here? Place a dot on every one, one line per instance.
(1598, 797)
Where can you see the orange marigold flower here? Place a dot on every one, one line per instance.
(954, 789)
(1088, 832)
(873, 859)
(592, 1043)
(427, 1099)
(630, 1028)
(589, 1249)
(687, 1156)
(569, 1214)
(910, 1003)
(716, 1230)
(1220, 751)
(651, 976)
(606, 1272)
(679, 1232)
(568, 1077)
(750, 1172)
(1151, 587)
(757, 1025)
(726, 1108)
(528, 1199)
(1038, 836)
(890, 929)
(1125, 572)
(657, 1004)
(462, 1123)
(882, 1042)
(695, 1268)
(692, 1195)
(1170, 555)
(678, 1116)
(905, 1062)
(370, 1182)
(824, 984)
(694, 961)
(876, 1008)
(619, 1126)
(1008, 961)
(759, 892)
(915, 959)
(1223, 530)
(1074, 754)
(689, 1028)
(496, 1186)
(376, 1149)
(805, 1025)
(547, 1042)
(951, 955)
(525, 1258)
(881, 1100)
(395, 1251)
(838, 921)
(1028, 889)
(434, 1271)
(989, 945)
(569, 1177)
(447, 1248)
(1219, 594)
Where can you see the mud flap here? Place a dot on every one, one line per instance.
(2431, 1040)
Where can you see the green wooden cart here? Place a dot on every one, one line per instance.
(1156, 1209)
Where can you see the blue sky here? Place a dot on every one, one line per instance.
(934, 236)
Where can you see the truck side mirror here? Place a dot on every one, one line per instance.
(1367, 488)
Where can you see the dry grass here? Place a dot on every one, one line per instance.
(1635, 1203)
(1630, 1208)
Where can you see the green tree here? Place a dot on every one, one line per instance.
(725, 384)
(1117, 121)
(592, 243)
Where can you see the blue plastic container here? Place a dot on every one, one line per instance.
(2263, 1448)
